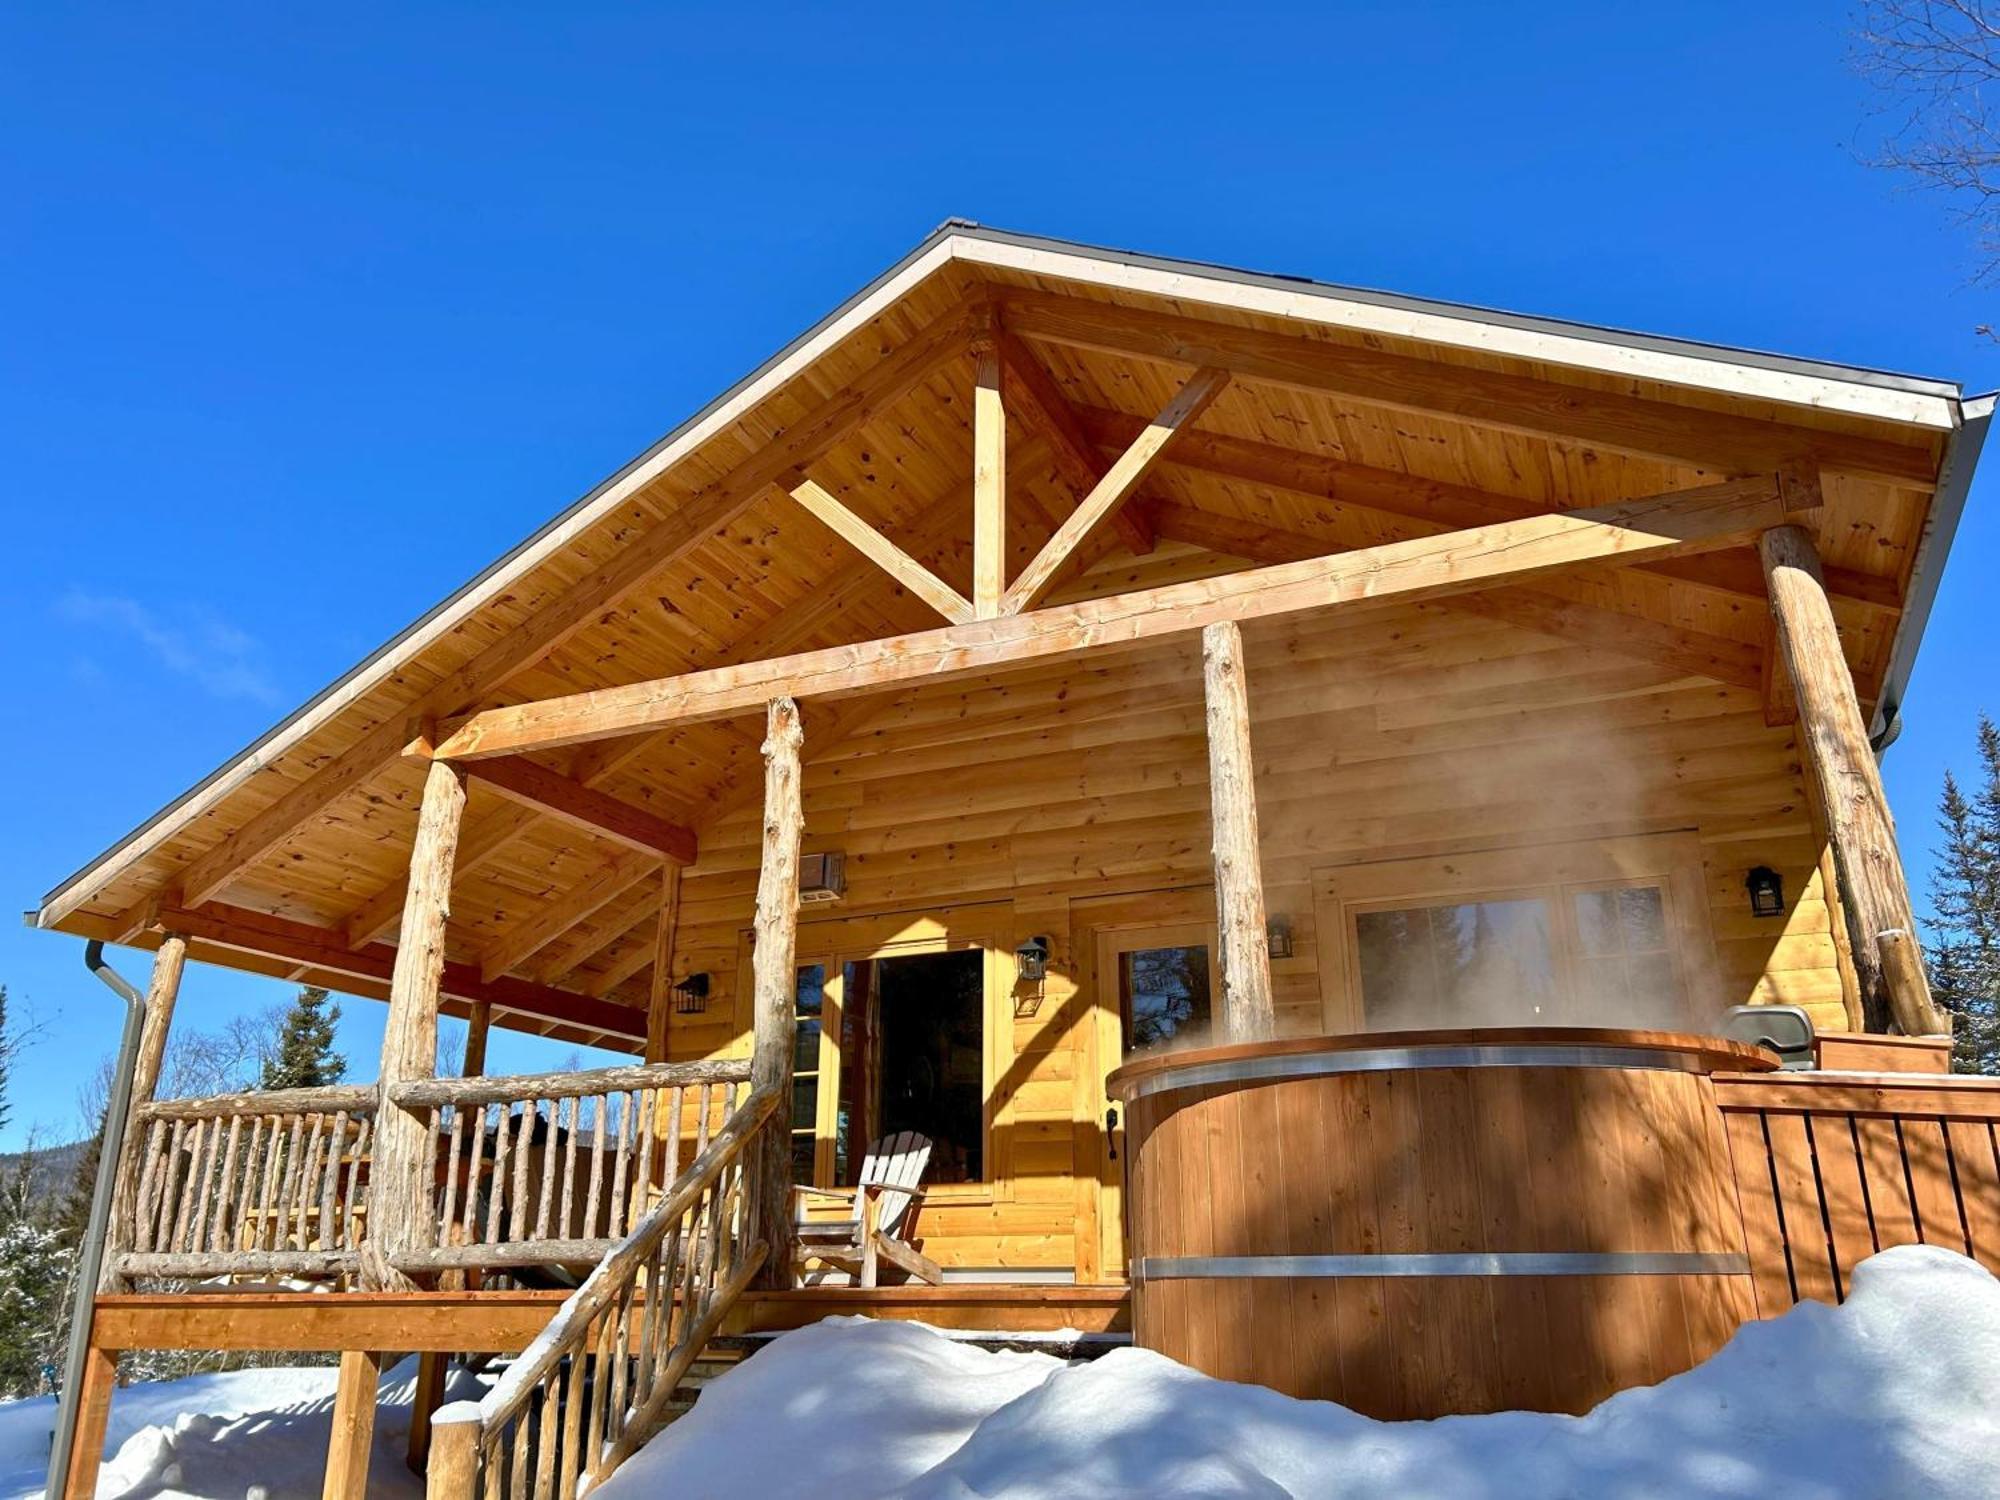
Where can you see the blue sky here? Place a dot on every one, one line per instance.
(305, 318)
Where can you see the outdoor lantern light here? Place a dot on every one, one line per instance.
(1278, 937)
(1033, 958)
(691, 995)
(1767, 892)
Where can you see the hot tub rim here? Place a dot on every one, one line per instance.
(1589, 1046)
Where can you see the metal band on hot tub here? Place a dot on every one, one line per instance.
(1461, 1263)
(1395, 1059)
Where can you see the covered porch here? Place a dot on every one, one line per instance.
(1041, 668)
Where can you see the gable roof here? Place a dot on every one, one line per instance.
(774, 407)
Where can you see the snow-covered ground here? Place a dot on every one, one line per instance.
(217, 1436)
(1896, 1394)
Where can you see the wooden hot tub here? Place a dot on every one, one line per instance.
(1421, 1223)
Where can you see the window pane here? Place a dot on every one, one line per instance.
(1475, 963)
(931, 1022)
(804, 1148)
(805, 1055)
(812, 989)
(1597, 921)
(1165, 994)
(805, 1105)
(1642, 919)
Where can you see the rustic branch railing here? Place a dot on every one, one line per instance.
(249, 1184)
(590, 1389)
(556, 1168)
(1834, 1167)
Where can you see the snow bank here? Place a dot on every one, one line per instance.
(215, 1436)
(1895, 1394)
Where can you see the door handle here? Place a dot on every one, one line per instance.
(1110, 1130)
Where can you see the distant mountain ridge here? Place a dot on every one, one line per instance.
(51, 1169)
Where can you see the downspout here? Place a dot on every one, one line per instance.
(91, 1253)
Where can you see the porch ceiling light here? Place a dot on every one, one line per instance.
(1767, 892)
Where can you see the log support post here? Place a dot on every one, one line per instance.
(1248, 1014)
(660, 1002)
(93, 1416)
(353, 1434)
(774, 983)
(454, 1460)
(161, 992)
(1833, 740)
(399, 1183)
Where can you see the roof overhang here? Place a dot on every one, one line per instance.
(1932, 405)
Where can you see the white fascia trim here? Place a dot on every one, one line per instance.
(1604, 354)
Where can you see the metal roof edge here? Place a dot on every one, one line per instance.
(1961, 457)
(1474, 313)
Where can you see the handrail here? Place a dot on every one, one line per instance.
(622, 1341)
(507, 1395)
(331, 1099)
(509, 1088)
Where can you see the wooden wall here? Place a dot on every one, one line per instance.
(1377, 734)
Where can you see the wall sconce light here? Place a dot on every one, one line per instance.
(1032, 957)
(1278, 937)
(691, 995)
(1767, 892)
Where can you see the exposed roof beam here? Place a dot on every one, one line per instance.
(1124, 477)
(1718, 442)
(883, 553)
(1423, 568)
(1037, 402)
(322, 948)
(1388, 492)
(531, 785)
(1591, 625)
(547, 627)
(528, 936)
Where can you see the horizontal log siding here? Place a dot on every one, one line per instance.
(1384, 734)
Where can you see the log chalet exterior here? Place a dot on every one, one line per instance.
(1054, 659)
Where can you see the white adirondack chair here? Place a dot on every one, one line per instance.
(881, 1208)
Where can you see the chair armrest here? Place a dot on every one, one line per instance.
(877, 1189)
(807, 1190)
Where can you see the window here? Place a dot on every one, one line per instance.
(1607, 933)
(1164, 997)
(1453, 964)
(808, 1007)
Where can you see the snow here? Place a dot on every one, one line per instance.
(1896, 1393)
(216, 1436)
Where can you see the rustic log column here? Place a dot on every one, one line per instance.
(478, 1030)
(1874, 892)
(660, 1002)
(1248, 1014)
(162, 991)
(989, 481)
(774, 983)
(399, 1183)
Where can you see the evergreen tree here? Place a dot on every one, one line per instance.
(305, 1058)
(1964, 949)
(36, 1262)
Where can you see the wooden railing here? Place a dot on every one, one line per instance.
(590, 1389)
(1833, 1167)
(556, 1168)
(248, 1184)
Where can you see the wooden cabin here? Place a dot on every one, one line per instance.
(1054, 658)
